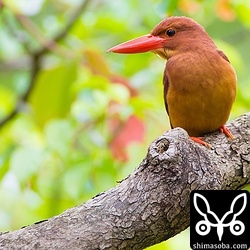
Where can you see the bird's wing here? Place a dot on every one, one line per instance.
(166, 85)
(221, 53)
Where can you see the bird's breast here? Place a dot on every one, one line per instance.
(201, 92)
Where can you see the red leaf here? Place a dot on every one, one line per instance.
(132, 130)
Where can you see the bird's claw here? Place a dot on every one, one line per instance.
(200, 141)
(226, 131)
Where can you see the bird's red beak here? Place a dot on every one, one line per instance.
(139, 45)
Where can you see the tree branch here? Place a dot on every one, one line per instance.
(152, 204)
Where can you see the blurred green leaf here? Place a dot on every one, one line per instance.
(243, 10)
(58, 134)
(7, 101)
(25, 162)
(26, 8)
(167, 7)
(51, 97)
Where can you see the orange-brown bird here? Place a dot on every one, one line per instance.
(199, 81)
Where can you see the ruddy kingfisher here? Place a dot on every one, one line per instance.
(199, 81)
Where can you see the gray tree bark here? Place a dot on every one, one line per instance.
(152, 204)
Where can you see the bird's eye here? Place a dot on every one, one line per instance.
(170, 32)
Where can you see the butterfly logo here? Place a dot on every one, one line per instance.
(210, 219)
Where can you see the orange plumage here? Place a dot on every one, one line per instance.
(199, 81)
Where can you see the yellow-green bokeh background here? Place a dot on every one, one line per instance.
(55, 153)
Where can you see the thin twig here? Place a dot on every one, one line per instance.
(35, 32)
(66, 29)
(36, 59)
(34, 71)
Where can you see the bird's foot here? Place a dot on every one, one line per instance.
(226, 131)
(223, 129)
(200, 141)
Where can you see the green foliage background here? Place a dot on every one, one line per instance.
(66, 100)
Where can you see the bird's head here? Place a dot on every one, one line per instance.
(172, 35)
